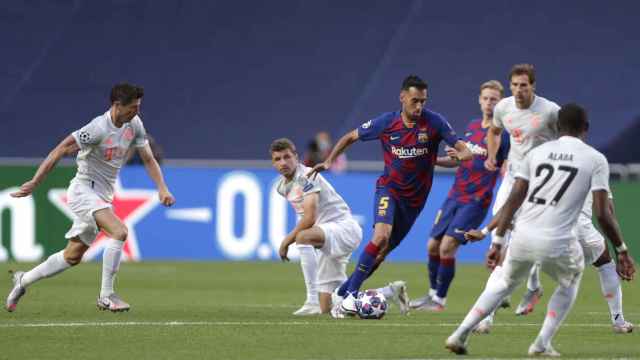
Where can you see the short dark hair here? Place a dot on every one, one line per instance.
(523, 69)
(282, 144)
(125, 93)
(572, 119)
(414, 81)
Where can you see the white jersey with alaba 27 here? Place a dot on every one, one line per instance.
(561, 173)
(103, 150)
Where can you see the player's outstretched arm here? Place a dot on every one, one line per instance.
(494, 139)
(477, 235)
(342, 145)
(447, 162)
(462, 151)
(154, 171)
(603, 209)
(309, 208)
(68, 146)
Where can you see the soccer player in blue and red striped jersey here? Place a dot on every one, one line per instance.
(410, 139)
(468, 201)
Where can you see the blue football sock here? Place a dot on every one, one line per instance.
(446, 272)
(434, 265)
(364, 266)
(342, 290)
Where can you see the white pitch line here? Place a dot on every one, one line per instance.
(262, 323)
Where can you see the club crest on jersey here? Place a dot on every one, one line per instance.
(366, 125)
(128, 134)
(423, 137)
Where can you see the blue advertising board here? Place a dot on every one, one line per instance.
(227, 214)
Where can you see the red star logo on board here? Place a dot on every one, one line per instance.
(130, 205)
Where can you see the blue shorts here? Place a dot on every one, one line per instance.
(397, 213)
(454, 219)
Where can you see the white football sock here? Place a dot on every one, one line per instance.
(309, 265)
(494, 291)
(432, 292)
(386, 292)
(559, 305)
(53, 265)
(439, 300)
(612, 291)
(110, 265)
(533, 282)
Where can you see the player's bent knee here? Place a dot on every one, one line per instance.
(381, 239)
(449, 247)
(433, 247)
(121, 233)
(72, 258)
(307, 237)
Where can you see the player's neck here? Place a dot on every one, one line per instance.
(486, 121)
(408, 122)
(527, 103)
(114, 118)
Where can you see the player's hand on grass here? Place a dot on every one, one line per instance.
(493, 256)
(25, 190)
(625, 267)
(473, 235)
(323, 166)
(166, 197)
(491, 164)
(284, 249)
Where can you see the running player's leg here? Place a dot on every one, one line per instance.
(566, 270)
(596, 246)
(515, 271)
(55, 264)
(82, 202)
(440, 224)
(118, 232)
(467, 216)
(383, 214)
(403, 219)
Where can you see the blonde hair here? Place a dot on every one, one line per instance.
(493, 84)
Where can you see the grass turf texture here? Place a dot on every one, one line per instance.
(243, 311)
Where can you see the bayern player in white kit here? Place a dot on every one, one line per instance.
(102, 147)
(530, 121)
(324, 223)
(550, 189)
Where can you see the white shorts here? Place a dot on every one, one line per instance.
(591, 240)
(341, 238)
(561, 259)
(503, 192)
(501, 198)
(83, 202)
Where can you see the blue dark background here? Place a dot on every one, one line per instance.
(224, 78)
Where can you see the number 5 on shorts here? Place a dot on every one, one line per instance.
(383, 205)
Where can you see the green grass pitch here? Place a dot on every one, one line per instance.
(237, 310)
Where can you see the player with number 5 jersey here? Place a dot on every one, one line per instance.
(410, 139)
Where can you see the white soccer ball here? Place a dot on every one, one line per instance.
(371, 305)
